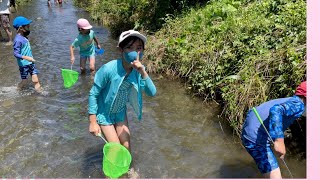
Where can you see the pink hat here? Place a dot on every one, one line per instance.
(83, 24)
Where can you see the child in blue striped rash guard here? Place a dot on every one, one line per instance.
(22, 51)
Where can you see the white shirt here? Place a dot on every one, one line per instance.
(4, 6)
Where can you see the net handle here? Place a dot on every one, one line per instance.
(102, 138)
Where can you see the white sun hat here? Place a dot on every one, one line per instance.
(129, 33)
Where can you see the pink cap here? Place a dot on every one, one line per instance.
(83, 24)
(302, 89)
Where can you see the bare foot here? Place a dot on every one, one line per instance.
(8, 43)
(132, 174)
(38, 88)
(22, 85)
(19, 88)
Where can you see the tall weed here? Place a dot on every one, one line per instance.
(240, 53)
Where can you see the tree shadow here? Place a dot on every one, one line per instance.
(92, 163)
(239, 169)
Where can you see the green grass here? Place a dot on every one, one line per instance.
(238, 53)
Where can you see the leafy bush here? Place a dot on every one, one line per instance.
(121, 15)
(241, 53)
(21, 2)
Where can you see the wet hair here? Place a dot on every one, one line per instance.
(128, 40)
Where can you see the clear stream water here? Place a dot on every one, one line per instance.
(46, 135)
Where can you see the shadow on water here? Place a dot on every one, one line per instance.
(92, 163)
(234, 169)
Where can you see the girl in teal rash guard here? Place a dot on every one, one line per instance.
(85, 41)
(116, 83)
(277, 116)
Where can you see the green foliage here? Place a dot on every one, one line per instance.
(121, 15)
(239, 52)
(21, 2)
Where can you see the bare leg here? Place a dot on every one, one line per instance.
(83, 64)
(123, 132)
(1, 37)
(110, 133)
(1, 25)
(274, 174)
(36, 83)
(9, 33)
(92, 64)
(22, 84)
(124, 136)
(118, 133)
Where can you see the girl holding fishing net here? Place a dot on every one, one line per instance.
(116, 83)
(85, 41)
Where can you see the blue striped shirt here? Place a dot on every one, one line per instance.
(21, 47)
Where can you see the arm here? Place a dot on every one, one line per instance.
(146, 82)
(74, 44)
(97, 42)
(94, 127)
(148, 86)
(277, 114)
(275, 125)
(28, 58)
(72, 54)
(275, 129)
(17, 52)
(100, 82)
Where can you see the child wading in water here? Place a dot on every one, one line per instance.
(22, 51)
(5, 19)
(116, 83)
(56, 1)
(85, 42)
(277, 115)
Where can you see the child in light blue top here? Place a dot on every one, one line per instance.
(85, 42)
(116, 83)
(22, 51)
